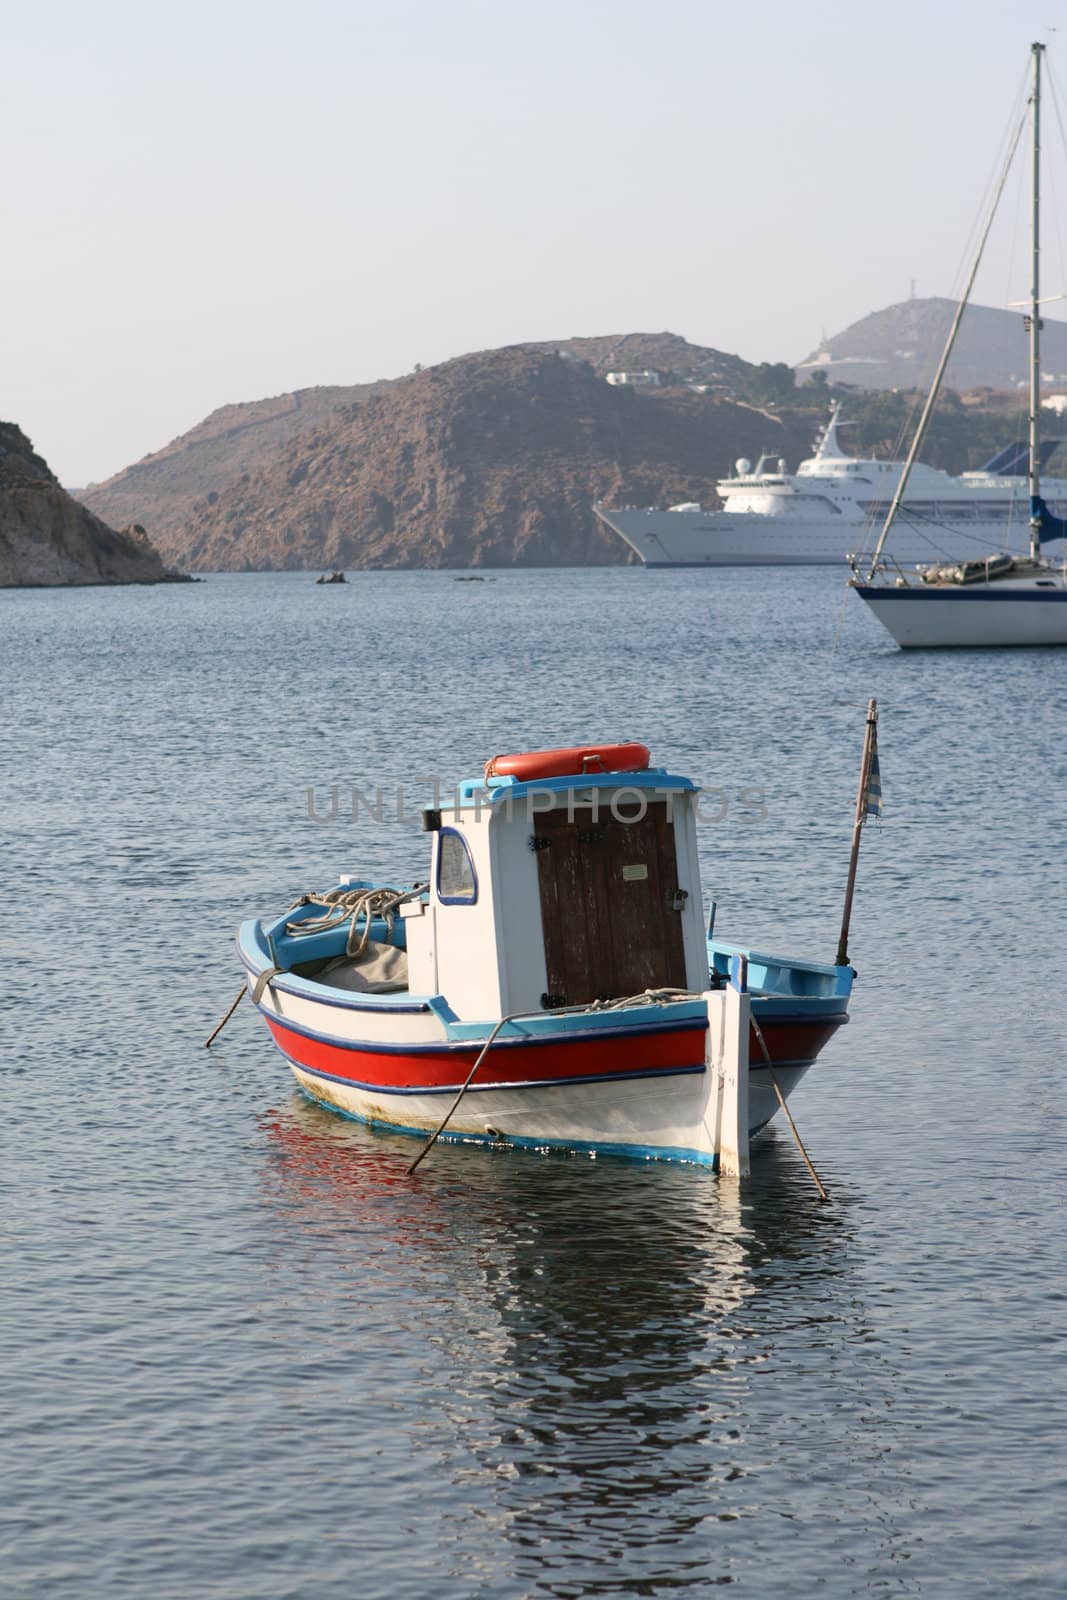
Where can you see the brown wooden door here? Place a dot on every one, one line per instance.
(608, 905)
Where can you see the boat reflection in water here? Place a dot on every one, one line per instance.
(594, 1360)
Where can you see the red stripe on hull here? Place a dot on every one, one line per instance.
(427, 1069)
(533, 1063)
(792, 1041)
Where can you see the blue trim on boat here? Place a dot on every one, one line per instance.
(500, 791)
(442, 1010)
(540, 1029)
(783, 989)
(783, 1008)
(287, 949)
(529, 1083)
(380, 1050)
(784, 977)
(1052, 527)
(512, 1083)
(969, 591)
(547, 1025)
(455, 899)
(621, 1152)
(307, 989)
(454, 1046)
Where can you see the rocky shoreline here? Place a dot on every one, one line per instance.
(49, 540)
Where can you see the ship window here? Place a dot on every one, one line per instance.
(457, 883)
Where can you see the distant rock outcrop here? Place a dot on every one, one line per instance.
(898, 348)
(493, 459)
(48, 539)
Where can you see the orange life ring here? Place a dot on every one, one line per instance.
(574, 760)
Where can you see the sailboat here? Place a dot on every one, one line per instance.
(1003, 599)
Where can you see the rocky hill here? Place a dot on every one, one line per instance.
(668, 354)
(49, 539)
(228, 445)
(491, 459)
(497, 458)
(898, 348)
(170, 487)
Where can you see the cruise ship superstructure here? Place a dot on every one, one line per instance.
(833, 507)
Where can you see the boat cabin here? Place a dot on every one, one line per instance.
(552, 888)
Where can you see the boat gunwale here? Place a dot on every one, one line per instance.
(471, 1041)
(647, 1015)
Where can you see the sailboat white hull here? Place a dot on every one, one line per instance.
(994, 614)
(999, 599)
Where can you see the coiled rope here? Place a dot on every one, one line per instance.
(339, 906)
(350, 905)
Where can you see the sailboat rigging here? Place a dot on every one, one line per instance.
(1003, 599)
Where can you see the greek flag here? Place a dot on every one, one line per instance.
(872, 794)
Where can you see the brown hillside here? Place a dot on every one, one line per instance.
(236, 441)
(232, 441)
(489, 460)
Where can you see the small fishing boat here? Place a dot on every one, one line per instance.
(552, 982)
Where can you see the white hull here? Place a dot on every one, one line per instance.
(673, 1118)
(975, 617)
(722, 539)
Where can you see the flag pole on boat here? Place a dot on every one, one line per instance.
(868, 804)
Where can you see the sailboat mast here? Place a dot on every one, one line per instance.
(935, 387)
(1035, 314)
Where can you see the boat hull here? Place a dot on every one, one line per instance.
(632, 1077)
(722, 539)
(664, 1117)
(640, 1090)
(968, 617)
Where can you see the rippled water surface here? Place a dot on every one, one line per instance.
(245, 1356)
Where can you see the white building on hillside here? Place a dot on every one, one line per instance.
(634, 380)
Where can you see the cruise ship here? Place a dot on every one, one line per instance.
(833, 507)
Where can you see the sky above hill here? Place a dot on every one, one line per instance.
(213, 202)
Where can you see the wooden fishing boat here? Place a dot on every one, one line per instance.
(552, 982)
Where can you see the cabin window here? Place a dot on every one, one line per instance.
(457, 882)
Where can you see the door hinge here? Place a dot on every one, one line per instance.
(552, 1002)
(538, 841)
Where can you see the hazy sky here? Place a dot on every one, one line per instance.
(215, 202)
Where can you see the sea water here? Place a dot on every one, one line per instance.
(245, 1357)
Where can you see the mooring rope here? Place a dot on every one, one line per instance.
(758, 1031)
(242, 991)
(340, 906)
(464, 1086)
(649, 996)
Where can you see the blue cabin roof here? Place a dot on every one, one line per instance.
(509, 788)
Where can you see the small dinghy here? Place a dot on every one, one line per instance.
(552, 983)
